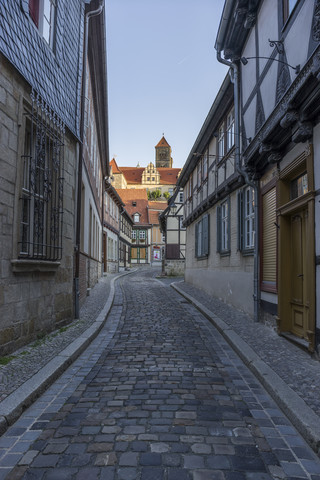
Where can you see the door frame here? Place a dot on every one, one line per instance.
(287, 208)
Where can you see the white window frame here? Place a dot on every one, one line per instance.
(225, 226)
(249, 224)
(230, 130)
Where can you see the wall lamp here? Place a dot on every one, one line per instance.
(244, 61)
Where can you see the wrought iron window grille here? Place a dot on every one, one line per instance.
(42, 190)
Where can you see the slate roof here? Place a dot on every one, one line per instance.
(54, 73)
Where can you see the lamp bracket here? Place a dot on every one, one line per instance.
(278, 44)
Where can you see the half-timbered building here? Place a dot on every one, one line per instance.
(218, 210)
(272, 48)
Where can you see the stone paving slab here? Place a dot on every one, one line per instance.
(159, 394)
(26, 385)
(277, 363)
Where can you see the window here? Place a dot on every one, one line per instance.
(134, 235)
(202, 237)
(246, 220)
(223, 227)
(230, 130)
(221, 142)
(42, 13)
(142, 235)
(205, 165)
(136, 218)
(299, 186)
(42, 190)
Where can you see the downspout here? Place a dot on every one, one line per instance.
(255, 185)
(88, 15)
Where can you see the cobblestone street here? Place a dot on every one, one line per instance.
(158, 395)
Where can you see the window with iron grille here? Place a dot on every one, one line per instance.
(42, 190)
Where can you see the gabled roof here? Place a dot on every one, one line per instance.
(163, 143)
(154, 217)
(140, 198)
(132, 194)
(114, 166)
(168, 176)
(158, 205)
(132, 175)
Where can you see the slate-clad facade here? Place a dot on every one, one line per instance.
(55, 73)
(39, 122)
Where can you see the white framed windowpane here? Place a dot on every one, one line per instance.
(249, 226)
(224, 226)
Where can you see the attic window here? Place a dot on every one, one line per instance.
(136, 218)
(134, 204)
(42, 13)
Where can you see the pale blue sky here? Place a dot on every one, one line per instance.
(163, 75)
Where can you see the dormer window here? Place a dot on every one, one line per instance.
(42, 13)
(134, 204)
(136, 218)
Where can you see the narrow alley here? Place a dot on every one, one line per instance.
(158, 395)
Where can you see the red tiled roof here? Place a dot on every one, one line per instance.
(132, 174)
(131, 194)
(154, 217)
(168, 176)
(163, 143)
(114, 166)
(139, 196)
(154, 205)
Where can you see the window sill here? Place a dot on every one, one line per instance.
(247, 252)
(202, 257)
(226, 253)
(25, 266)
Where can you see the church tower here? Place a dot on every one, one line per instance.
(163, 154)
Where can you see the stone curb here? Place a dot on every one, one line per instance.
(14, 404)
(299, 413)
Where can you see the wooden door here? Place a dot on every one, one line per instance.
(299, 303)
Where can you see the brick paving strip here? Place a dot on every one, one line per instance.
(158, 395)
(36, 366)
(290, 375)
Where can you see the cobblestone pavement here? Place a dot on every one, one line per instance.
(30, 359)
(295, 366)
(158, 395)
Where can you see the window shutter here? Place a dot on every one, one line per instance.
(196, 239)
(205, 237)
(240, 220)
(229, 225)
(218, 228)
(208, 234)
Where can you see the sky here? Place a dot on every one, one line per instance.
(163, 75)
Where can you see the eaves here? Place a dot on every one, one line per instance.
(233, 183)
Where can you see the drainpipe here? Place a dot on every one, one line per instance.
(244, 174)
(88, 15)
